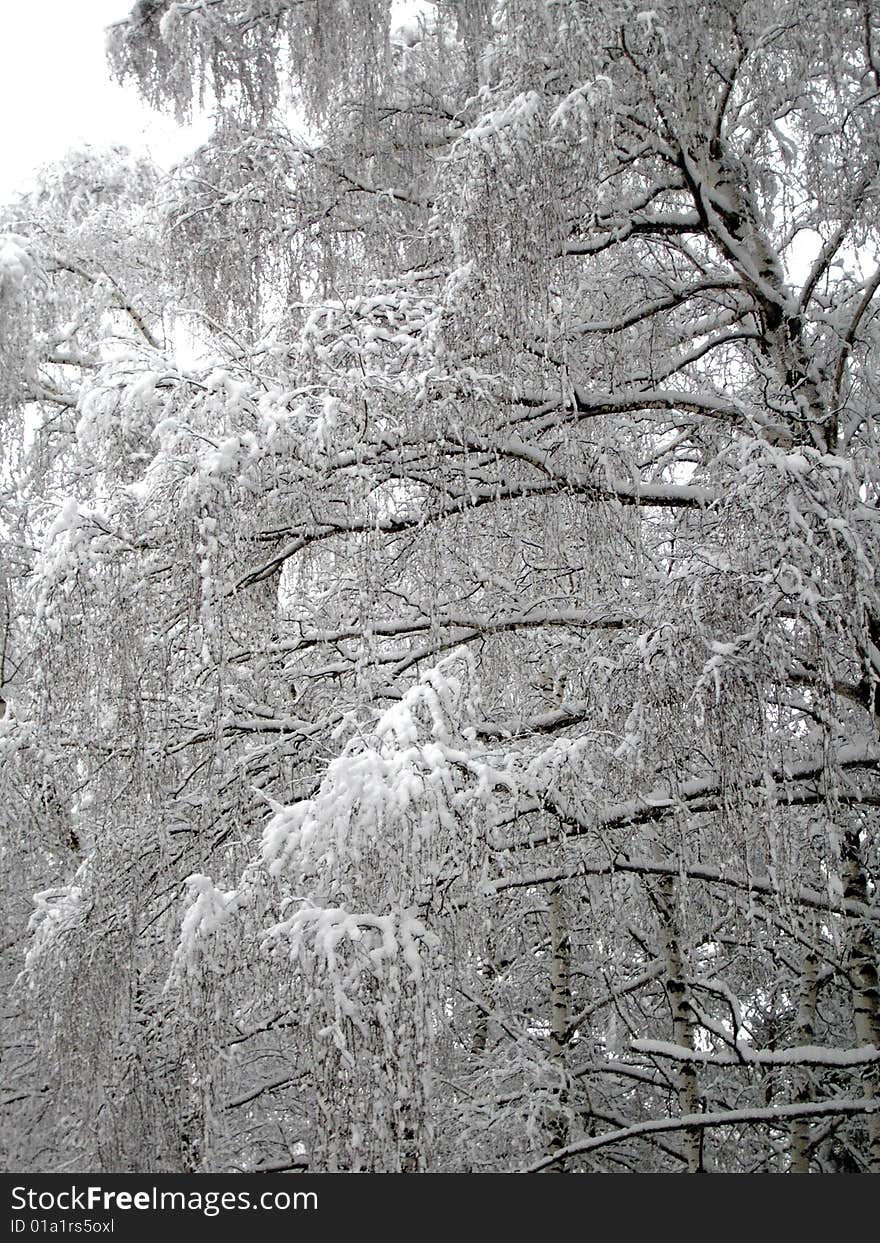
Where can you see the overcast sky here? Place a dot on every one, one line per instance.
(56, 92)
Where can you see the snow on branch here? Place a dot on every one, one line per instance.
(746, 1055)
(773, 1115)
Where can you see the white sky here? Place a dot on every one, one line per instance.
(56, 92)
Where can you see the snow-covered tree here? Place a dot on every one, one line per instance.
(447, 600)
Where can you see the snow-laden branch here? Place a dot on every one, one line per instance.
(245, 1098)
(467, 625)
(673, 496)
(696, 795)
(772, 1115)
(757, 884)
(59, 263)
(677, 296)
(802, 1055)
(706, 404)
(638, 226)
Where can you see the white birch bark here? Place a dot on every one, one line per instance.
(663, 893)
(560, 1018)
(805, 1035)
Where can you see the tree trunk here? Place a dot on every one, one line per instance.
(560, 1017)
(862, 957)
(805, 1034)
(663, 893)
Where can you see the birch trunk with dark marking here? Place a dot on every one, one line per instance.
(664, 897)
(805, 1035)
(560, 1017)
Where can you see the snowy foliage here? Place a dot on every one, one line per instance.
(439, 597)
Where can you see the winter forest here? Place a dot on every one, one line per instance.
(440, 598)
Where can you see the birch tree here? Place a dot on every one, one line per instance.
(465, 660)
